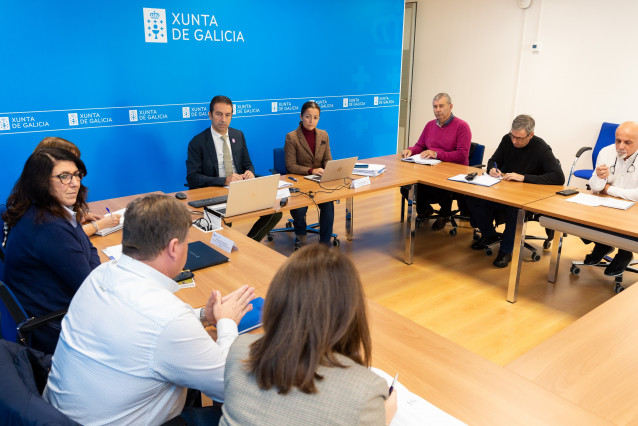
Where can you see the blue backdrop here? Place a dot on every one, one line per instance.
(130, 82)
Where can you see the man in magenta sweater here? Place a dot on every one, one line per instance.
(447, 138)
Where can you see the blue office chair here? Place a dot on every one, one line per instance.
(607, 136)
(477, 151)
(16, 324)
(279, 163)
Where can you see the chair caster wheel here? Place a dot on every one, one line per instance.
(475, 236)
(618, 288)
(536, 257)
(288, 225)
(574, 270)
(270, 237)
(336, 242)
(297, 246)
(488, 251)
(547, 244)
(453, 232)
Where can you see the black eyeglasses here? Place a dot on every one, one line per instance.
(517, 138)
(65, 177)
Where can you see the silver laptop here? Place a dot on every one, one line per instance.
(247, 196)
(335, 170)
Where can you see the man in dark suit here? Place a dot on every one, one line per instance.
(219, 155)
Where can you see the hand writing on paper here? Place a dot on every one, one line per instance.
(390, 407)
(602, 171)
(233, 306)
(494, 172)
(406, 153)
(514, 176)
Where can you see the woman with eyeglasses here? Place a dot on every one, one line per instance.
(307, 152)
(48, 254)
(91, 222)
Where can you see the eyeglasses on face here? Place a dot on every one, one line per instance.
(517, 138)
(65, 177)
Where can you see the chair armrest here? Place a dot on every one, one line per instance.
(478, 166)
(34, 322)
(582, 150)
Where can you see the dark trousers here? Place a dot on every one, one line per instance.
(194, 414)
(326, 221)
(263, 226)
(484, 213)
(426, 195)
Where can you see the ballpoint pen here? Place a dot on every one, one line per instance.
(292, 178)
(392, 385)
(107, 209)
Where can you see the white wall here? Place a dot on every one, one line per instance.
(479, 52)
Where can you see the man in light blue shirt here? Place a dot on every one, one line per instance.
(129, 348)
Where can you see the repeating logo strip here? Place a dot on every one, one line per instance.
(42, 121)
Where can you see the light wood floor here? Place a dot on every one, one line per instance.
(455, 291)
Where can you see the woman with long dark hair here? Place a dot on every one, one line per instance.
(48, 255)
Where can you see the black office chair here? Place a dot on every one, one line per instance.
(529, 217)
(279, 166)
(476, 153)
(16, 324)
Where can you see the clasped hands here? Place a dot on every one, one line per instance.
(232, 306)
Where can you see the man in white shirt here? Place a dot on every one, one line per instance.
(129, 348)
(616, 175)
(219, 155)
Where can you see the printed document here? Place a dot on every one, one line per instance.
(595, 201)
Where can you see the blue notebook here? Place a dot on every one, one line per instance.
(252, 319)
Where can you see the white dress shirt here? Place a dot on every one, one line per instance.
(623, 176)
(219, 150)
(129, 348)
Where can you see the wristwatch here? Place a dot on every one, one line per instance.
(203, 319)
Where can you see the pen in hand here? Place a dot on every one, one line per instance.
(392, 385)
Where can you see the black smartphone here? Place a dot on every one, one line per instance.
(566, 192)
(471, 176)
(184, 275)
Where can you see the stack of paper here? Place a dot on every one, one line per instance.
(595, 201)
(416, 158)
(365, 169)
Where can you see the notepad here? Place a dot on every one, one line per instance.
(595, 201)
(365, 169)
(252, 319)
(483, 180)
(416, 158)
(107, 231)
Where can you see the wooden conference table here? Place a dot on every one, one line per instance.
(454, 379)
(399, 173)
(592, 362)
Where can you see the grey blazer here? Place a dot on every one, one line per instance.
(298, 156)
(346, 396)
(201, 163)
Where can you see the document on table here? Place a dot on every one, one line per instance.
(284, 184)
(414, 410)
(483, 180)
(366, 169)
(107, 231)
(416, 158)
(113, 252)
(595, 201)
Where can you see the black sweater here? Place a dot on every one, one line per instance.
(535, 161)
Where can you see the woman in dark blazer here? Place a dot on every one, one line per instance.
(48, 254)
(310, 365)
(307, 152)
